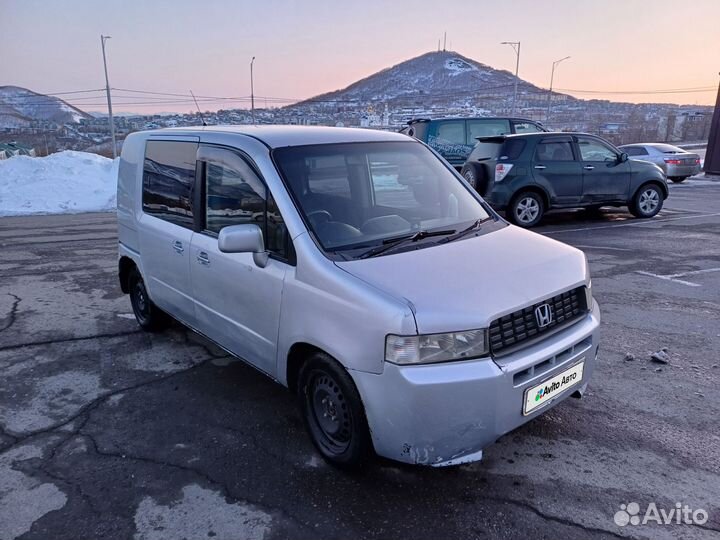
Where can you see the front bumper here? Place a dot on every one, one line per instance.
(445, 414)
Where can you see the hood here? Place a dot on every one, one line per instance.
(640, 164)
(468, 283)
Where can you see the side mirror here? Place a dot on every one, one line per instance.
(245, 238)
(623, 157)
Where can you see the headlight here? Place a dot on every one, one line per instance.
(432, 348)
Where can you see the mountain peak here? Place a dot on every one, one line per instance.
(19, 107)
(442, 76)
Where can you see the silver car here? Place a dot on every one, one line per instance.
(357, 268)
(676, 163)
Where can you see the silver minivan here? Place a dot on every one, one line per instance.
(357, 268)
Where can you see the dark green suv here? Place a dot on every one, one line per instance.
(454, 138)
(526, 175)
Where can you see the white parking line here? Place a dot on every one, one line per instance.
(632, 223)
(695, 272)
(674, 277)
(667, 278)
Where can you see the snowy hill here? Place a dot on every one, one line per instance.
(63, 183)
(436, 78)
(20, 106)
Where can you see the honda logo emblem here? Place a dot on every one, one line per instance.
(543, 315)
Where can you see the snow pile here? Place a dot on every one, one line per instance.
(63, 183)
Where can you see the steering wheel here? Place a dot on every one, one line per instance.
(319, 216)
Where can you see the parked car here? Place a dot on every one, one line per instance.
(676, 163)
(533, 173)
(365, 289)
(454, 138)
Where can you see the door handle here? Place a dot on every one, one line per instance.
(540, 167)
(203, 258)
(588, 167)
(178, 247)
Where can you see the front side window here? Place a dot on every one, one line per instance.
(235, 195)
(168, 180)
(554, 151)
(491, 127)
(395, 189)
(232, 198)
(594, 150)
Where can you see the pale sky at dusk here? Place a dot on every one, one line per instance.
(304, 48)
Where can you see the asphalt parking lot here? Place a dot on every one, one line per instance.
(109, 432)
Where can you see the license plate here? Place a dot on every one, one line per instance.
(539, 395)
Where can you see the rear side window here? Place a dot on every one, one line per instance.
(554, 151)
(168, 180)
(452, 132)
(487, 128)
(512, 149)
(526, 127)
(635, 151)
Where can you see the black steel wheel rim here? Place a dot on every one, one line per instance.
(140, 301)
(329, 413)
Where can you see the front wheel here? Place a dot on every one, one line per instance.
(647, 202)
(333, 412)
(526, 209)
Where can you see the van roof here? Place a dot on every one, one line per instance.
(276, 136)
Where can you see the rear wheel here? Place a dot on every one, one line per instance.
(678, 179)
(147, 314)
(333, 412)
(526, 209)
(647, 202)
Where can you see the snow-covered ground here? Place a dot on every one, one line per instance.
(63, 183)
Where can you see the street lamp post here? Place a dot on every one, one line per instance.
(552, 77)
(516, 47)
(109, 101)
(252, 91)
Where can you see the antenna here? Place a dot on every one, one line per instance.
(204, 123)
(444, 41)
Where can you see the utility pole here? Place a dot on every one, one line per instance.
(516, 47)
(252, 91)
(107, 88)
(552, 77)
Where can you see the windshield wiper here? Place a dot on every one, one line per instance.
(475, 226)
(391, 243)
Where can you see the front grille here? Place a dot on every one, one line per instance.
(522, 326)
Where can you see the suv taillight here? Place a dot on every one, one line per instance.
(501, 171)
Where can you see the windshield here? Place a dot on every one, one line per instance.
(358, 195)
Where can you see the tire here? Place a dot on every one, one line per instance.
(647, 201)
(333, 412)
(678, 179)
(526, 209)
(148, 315)
(476, 176)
